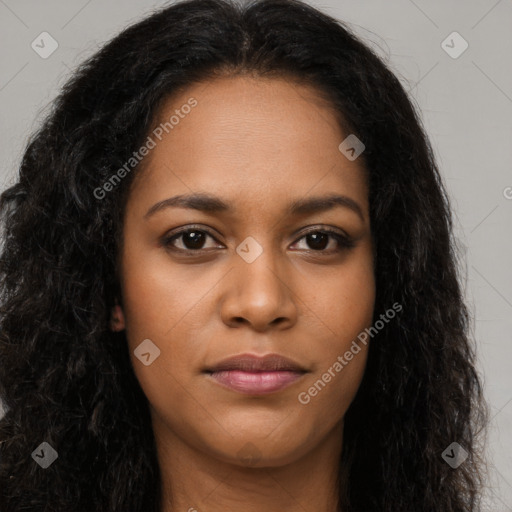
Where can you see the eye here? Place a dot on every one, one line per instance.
(319, 241)
(190, 239)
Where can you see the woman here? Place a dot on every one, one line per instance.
(229, 280)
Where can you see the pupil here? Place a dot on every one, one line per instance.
(193, 239)
(316, 244)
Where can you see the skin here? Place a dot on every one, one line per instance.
(259, 145)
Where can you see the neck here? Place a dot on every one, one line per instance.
(196, 481)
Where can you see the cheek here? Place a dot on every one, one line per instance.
(346, 300)
(325, 399)
(341, 359)
(154, 304)
(156, 295)
(154, 310)
(346, 309)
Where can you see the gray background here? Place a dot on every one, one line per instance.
(466, 106)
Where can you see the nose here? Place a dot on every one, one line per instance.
(260, 295)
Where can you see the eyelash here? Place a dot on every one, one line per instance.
(344, 242)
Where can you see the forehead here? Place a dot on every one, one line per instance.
(247, 139)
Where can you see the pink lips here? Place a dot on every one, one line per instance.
(255, 375)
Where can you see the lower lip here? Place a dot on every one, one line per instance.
(256, 383)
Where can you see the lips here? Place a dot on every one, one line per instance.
(253, 363)
(256, 375)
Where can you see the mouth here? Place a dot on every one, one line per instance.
(256, 375)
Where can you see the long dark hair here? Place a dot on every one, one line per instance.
(67, 380)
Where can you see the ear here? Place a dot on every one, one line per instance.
(117, 321)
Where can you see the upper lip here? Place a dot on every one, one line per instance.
(254, 363)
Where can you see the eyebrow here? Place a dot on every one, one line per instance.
(212, 204)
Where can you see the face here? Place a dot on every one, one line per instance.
(243, 273)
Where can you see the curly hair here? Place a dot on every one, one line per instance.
(67, 379)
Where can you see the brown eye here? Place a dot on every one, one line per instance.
(319, 240)
(190, 239)
(193, 239)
